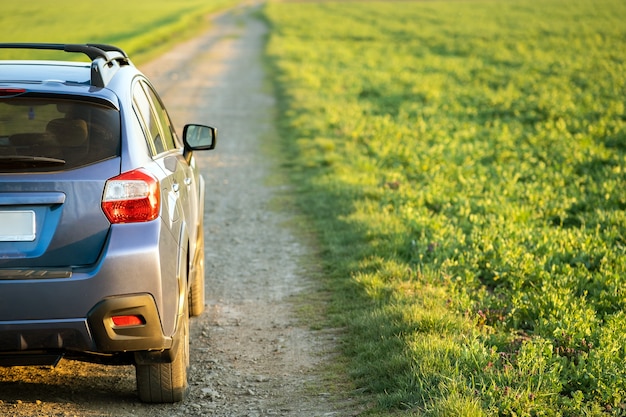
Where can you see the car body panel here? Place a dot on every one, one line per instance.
(58, 242)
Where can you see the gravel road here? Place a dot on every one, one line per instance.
(250, 356)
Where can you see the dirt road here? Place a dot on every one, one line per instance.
(249, 354)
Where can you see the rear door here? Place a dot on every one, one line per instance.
(161, 144)
(176, 163)
(55, 157)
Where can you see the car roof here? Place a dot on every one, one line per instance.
(87, 79)
(22, 80)
(45, 71)
(106, 60)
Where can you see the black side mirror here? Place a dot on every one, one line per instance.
(199, 137)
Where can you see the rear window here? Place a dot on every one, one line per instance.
(53, 135)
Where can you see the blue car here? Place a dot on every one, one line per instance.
(101, 208)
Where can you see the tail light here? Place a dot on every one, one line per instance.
(131, 197)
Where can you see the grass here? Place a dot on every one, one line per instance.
(142, 28)
(463, 164)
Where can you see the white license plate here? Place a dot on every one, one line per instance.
(17, 226)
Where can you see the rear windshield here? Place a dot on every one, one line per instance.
(52, 135)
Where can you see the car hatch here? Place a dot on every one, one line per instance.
(55, 158)
(56, 220)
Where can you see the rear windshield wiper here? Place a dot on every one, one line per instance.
(27, 161)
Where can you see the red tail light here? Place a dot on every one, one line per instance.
(131, 197)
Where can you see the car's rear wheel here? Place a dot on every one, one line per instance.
(196, 293)
(167, 382)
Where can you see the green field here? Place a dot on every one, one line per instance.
(463, 165)
(142, 28)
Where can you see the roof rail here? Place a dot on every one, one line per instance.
(105, 59)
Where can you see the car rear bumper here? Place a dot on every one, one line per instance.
(35, 342)
(74, 314)
(42, 341)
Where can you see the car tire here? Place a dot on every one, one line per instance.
(196, 292)
(167, 382)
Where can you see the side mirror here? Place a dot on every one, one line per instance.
(199, 137)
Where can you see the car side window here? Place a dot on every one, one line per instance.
(168, 130)
(148, 119)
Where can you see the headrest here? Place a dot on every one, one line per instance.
(30, 139)
(69, 132)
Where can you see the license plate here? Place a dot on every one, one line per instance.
(17, 226)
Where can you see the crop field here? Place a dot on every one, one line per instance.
(140, 27)
(463, 164)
